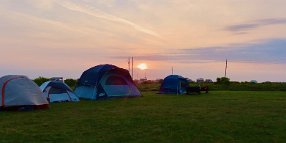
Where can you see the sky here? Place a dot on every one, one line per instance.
(65, 37)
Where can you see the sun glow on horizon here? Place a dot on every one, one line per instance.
(142, 66)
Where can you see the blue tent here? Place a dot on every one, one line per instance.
(174, 84)
(104, 81)
(58, 91)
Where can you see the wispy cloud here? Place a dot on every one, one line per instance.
(241, 27)
(37, 22)
(255, 24)
(86, 9)
(271, 51)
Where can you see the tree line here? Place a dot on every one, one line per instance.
(222, 83)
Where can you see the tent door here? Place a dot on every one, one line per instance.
(117, 90)
(116, 85)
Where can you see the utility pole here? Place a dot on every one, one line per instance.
(132, 64)
(225, 68)
(129, 64)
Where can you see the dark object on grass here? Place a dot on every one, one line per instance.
(205, 88)
(194, 89)
(197, 89)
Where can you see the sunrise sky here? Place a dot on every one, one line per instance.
(65, 37)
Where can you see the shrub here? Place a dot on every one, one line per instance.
(71, 82)
(223, 80)
(40, 80)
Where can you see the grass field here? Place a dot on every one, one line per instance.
(220, 116)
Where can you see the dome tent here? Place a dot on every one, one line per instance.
(58, 91)
(105, 81)
(174, 84)
(20, 93)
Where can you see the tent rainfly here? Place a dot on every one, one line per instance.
(20, 93)
(174, 84)
(105, 81)
(58, 91)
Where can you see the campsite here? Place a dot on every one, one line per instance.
(135, 71)
(162, 113)
(220, 116)
(98, 107)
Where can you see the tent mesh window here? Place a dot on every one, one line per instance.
(115, 80)
(54, 90)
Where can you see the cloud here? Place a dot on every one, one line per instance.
(241, 27)
(270, 51)
(255, 24)
(22, 23)
(272, 21)
(85, 9)
(42, 4)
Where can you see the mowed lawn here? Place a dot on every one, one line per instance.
(220, 116)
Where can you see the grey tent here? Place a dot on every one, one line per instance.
(19, 92)
(58, 91)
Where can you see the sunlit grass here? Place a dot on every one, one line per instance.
(220, 116)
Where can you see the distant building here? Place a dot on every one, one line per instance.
(200, 80)
(143, 79)
(57, 79)
(208, 80)
(189, 80)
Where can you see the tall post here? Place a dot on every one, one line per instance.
(172, 71)
(225, 68)
(129, 64)
(132, 67)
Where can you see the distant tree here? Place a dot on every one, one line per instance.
(147, 82)
(253, 81)
(218, 80)
(223, 80)
(40, 80)
(136, 81)
(160, 80)
(71, 82)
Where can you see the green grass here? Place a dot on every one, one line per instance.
(246, 86)
(220, 116)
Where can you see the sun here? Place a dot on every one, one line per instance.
(142, 66)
